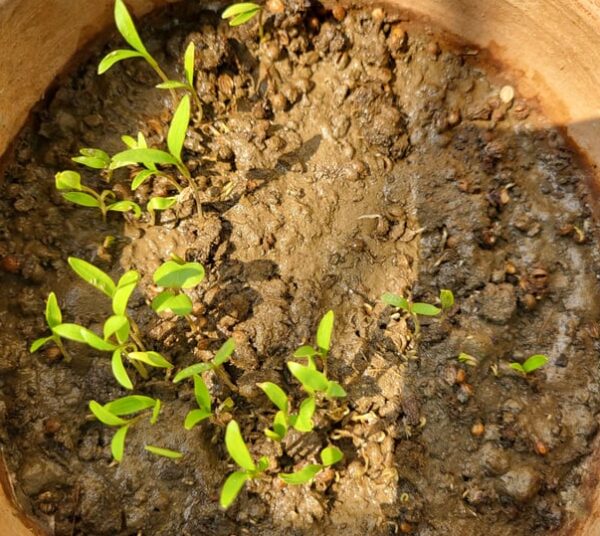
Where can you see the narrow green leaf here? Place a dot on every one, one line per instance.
(127, 28)
(125, 206)
(276, 395)
(172, 274)
(188, 63)
(178, 127)
(171, 84)
(446, 298)
(237, 448)
(38, 343)
(117, 445)
(118, 324)
(335, 390)
(144, 156)
(303, 421)
(161, 203)
(202, 394)
(239, 8)
(331, 455)
(425, 309)
(178, 304)
(129, 141)
(518, 367)
(116, 56)
(67, 180)
(305, 351)
(188, 372)
(325, 330)
(123, 291)
(93, 340)
(242, 18)
(154, 359)
(81, 199)
(127, 405)
(224, 353)
(195, 417)
(119, 371)
(94, 161)
(232, 487)
(72, 332)
(142, 177)
(53, 313)
(93, 275)
(305, 475)
(155, 411)
(165, 453)
(534, 362)
(105, 416)
(311, 380)
(395, 301)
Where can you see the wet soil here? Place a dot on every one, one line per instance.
(347, 155)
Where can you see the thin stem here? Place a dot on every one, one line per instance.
(136, 334)
(62, 349)
(140, 368)
(225, 377)
(186, 173)
(195, 97)
(154, 64)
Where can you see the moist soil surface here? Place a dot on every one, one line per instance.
(347, 155)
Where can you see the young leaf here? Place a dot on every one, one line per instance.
(125, 288)
(91, 339)
(311, 380)
(303, 421)
(92, 275)
(188, 372)
(335, 390)
(155, 411)
(105, 416)
(67, 180)
(38, 343)
(534, 362)
(518, 367)
(127, 28)
(239, 8)
(127, 405)
(53, 313)
(178, 127)
(425, 309)
(116, 56)
(305, 351)
(119, 325)
(446, 298)
(232, 487)
(126, 206)
(154, 359)
(142, 177)
(172, 274)
(93, 158)
(467, 359)
(202, 394)
(237, 447)
(161, 203)
(280, 427)
(305, 475)
(324, 331)
(178, 304)
(119, 371)
(188, 63)
(195, 417)
(82, 199)
(172, 84)
(143, 156)
(165, 453)
(331, 455)
(242, 18)
(395, 301)
(71, 332)
(117, 445)
(276, 395)
(224, 353)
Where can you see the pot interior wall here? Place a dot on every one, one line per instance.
(553, 46)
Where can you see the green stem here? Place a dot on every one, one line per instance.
(62, 349)
(195, 97)
(140, 368)
(225, 377)
(154, 64)
(136, 334)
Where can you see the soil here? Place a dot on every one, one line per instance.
(347, 155)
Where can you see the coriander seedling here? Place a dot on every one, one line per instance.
(96, 159)
(323, 340)
(531, 364)
(242, 12)
(314, 381)
(53, 319)
(129, 32)
(69, 182)
(329, 456)
(159, 204)
(468, 359)
(188, 69)
(238, 450)
(204, 402)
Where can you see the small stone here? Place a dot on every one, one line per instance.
(493, 459)
(10, 264)
(339, 13)
(52, 425)
(521, 483)
(478, 429)
(507, 94)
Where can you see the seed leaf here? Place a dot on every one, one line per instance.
(518, 367)
(93, 158)
(534, 362)
(68, 180)
(116, 56)
(117, 445)
(331, 455)
(232, 487)
(335, 390)
(161, 203)
(125, 288)
(154, 359)
(71, 332)
(127, 28)
(238, 8)
(305, 351)
(303, 421)
(188, 63)
(144, 156)
(311, 380)
(119, 325)
(242, 18)
(178, 304)
(446, 298)
(38, 343)
(188, 372)
(324, 331)
(93, 275)
(178, 127)
(53, 313)
(425, 309)
(276, 395)
(142, 177)
(195, 417)
(395, 301)
(165, 453)
(173, 274)
(127, 405)
(105, 416)
(93, 340)
(171, 84)
(237, 447)
(82, 199)
(305, 475)
(202, 394)
(126, 206)
(119, 371)
(224, 353)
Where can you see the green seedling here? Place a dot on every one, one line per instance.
(204, 402)
(111, 414)
(329, 456)
(188, 69)
(69, 182)
(94, 159)
(53, 319)
(129, 32)
(468, 359)
(531, 364)
(302, 421)
(223, 355)
(323, 340)
(238, 450)
(159, 204)
(243, 12)
(315, 382)
(416, 309)
(165, 453)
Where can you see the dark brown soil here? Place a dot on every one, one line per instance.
(338, 160)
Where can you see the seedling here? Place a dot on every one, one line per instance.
(238, 450)
(223, 355)
(314, 381)
(416, 309)
(188, 69)
(112, 414)
(243, 12)
(531, 364)
(70, 182)
(129, 32)
(94, 159)
(204, 402)
(329, 456)
(468, 359)
(165, 453)
(323, 340)
(53, 319)
(159, 204)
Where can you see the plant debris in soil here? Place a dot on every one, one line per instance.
(345, 155)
